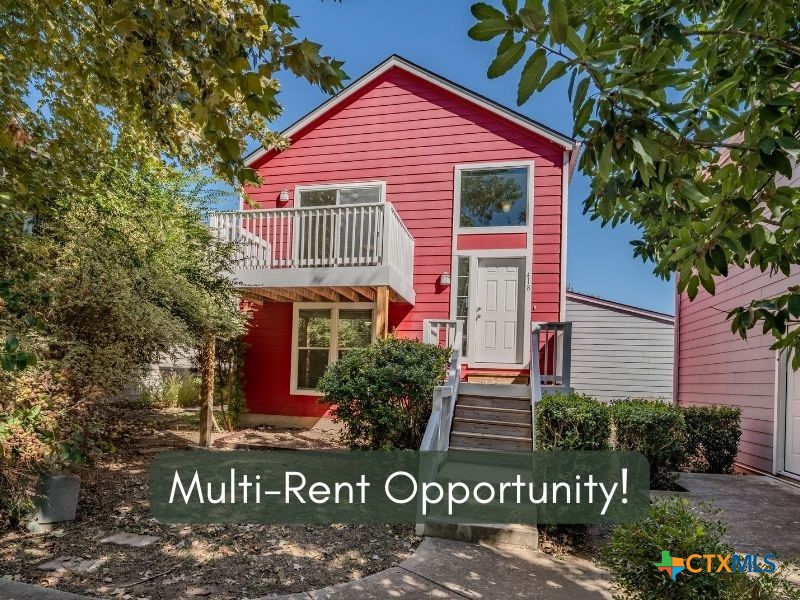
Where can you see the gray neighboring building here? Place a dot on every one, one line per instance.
(619, 351)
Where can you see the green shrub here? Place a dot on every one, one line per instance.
(173, 391)
(383, 393)
(655, 429)
(673, 525)
(572, 422)
(712, 437)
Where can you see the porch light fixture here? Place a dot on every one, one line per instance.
(283, 197)
(505, 205)
(444, 279)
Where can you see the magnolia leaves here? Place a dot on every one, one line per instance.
(492, 23)
(689, 117)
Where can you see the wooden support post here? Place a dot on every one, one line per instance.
(207, 364)
(382, 311)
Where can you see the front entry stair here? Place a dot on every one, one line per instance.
(492, 417)
(486, 417)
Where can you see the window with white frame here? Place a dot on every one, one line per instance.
(349, 230)
(341, 194)
(324, 333)
(493, 197)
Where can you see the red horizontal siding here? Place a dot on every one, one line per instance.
(502, 241)
(410, 133)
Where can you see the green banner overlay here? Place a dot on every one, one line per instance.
(459, 486)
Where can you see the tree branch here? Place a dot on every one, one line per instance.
(740, 33)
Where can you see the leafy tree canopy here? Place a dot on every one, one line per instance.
(688, 112)
(184, 79)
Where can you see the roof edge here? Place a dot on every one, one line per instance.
(623, 308)
(395, 60)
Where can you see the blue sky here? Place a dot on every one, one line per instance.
(433, 33)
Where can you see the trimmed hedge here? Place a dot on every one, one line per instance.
(658, 431)
(572, 422)
(712, 437)
(383, 393)
(673, 524)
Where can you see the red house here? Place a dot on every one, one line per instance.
(404, 201)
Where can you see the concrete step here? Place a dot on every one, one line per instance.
(467, 441)
(489, 534)
(487, 402)
(506, 415)
(495, 390)
(501, 428)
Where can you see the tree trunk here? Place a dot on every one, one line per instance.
(207, 363)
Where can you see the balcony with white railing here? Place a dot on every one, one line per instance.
(332, 247)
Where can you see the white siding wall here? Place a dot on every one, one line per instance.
(619, 355)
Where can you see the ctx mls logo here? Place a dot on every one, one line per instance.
(715, 563)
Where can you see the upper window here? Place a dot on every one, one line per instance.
(344, 194)
(494, 197)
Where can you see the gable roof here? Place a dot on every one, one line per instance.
(395, 61)
(619, 307)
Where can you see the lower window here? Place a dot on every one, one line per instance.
(322, 334)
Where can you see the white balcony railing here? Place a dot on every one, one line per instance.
(356, 235)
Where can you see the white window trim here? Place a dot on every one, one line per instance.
(457, 228)
(310, 187)
(333, 352)
(475, 254)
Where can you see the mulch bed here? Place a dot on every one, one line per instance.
(195, 561)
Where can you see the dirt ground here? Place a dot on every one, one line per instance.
(194, 561)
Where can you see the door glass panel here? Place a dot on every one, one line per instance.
(494, 197)
(462, 298)
(313, 346)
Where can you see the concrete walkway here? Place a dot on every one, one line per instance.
(439, 569)
(762, 513)
(446, 569)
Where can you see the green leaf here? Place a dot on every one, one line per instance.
(510, 6)
(767, 145)
(647, 149)
(556, 71)
(12, 343)
(558, 21)
(531, 75)
(532, 19)
(483, 12)
(719, 260)
(789, 143)
(574, 42)
(604, 166)
(793, 305)
(506, 60)
(583, 115)
(726, 85)
(489, 29)
(580, 94)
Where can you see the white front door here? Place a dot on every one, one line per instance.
(498, 310)
(791, 459)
